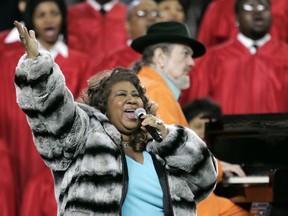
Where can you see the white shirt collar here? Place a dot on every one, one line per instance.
(129, 41)
(248, 42)
(107, 7)
(12, 37)
(59, 48)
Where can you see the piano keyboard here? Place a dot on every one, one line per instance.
(247, 180)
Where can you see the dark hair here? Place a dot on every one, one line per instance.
(202, 106)
(183, 4)
(99, 89)
(30, 10)
(238, 5)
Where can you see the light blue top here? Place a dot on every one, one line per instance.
(174, 89)
(144, 196)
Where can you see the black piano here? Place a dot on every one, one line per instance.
(259, 143)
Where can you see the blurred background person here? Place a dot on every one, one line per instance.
(50, 26)
(199, 112)
(140, 15)
(248, 74)
(97, 27)
(171, 10)
(212, 33)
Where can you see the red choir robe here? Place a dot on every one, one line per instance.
(14, 128)
(95, 34)
(39, 197)
(77, 70)
(7, 187)
(9, 42)
(211, 32)
(240, 82)
(123, 57)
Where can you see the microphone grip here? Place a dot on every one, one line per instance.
(154, 133)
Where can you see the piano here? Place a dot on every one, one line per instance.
(259, 143)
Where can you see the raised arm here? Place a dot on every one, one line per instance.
(28, 39)
(57, 123)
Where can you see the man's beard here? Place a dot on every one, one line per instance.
(182, 82)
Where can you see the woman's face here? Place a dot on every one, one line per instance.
(123, 100)
(47, 20)
(171, 10)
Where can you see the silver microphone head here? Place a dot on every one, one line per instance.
(138, 112)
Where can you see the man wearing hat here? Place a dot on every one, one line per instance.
(168, 53)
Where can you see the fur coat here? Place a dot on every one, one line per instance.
(83, 149)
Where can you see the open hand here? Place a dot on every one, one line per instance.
(28, 39)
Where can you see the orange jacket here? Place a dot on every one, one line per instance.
(169, 109)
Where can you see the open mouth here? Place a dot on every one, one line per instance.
(130, 113)
(50, 32)
(258, 19)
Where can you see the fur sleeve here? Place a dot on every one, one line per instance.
(187, 157)
(58, 125)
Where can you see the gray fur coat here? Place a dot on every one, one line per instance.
(82, 148)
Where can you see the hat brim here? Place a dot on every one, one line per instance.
(139, 44)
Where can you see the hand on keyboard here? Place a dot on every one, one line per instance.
(230, 170)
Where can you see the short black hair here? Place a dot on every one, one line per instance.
(181, 2)
(202, 106)
(30, 10)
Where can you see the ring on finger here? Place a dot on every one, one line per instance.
(21, 37)
(159, 122)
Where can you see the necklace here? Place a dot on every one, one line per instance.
(125, 144)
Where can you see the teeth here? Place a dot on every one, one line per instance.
(130, 110)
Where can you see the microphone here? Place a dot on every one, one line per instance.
(151, 130)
